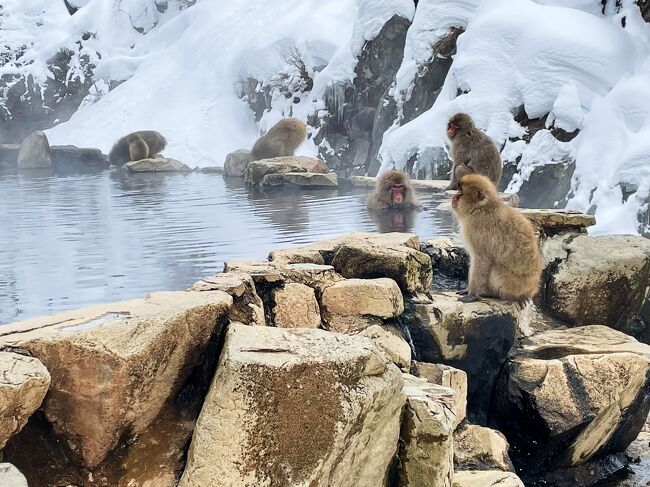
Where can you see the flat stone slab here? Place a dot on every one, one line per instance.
(433, 185)
(556, 221)
(157, 165)
(301, 179)
(113, 366)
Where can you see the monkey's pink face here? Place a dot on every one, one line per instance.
(456, 198)
(397, 194)
(452, 128)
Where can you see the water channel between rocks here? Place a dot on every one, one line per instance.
(76, 240)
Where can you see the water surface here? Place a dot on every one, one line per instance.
(76, 240)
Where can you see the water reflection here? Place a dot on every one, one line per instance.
(72, 240)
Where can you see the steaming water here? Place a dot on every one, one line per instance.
(71, 241)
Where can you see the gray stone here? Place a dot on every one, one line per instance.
(71, 157)
(9, 155)
(35, 152)
(10, 476)
(236, 162)
(301, 179)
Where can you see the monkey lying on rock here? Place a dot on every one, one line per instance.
(393, 190)
(503, 247)
(472, 151)
(280, 140)
(136, 146)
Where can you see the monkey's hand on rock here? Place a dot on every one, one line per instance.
(462, 292)
(469, 298)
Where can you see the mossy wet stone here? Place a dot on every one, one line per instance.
(297, 407)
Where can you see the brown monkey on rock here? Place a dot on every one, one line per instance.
(503, 247)
(135, 146)
(280, 140)
(472, 151)
(393, 190)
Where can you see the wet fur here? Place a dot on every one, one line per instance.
(381, 199)
(473, 151)
(281, 140)
(121, 152)
(503, 247)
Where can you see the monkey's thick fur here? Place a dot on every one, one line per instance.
(472, 151)
(503, 247)
(281, 140)
(381, 198)
(136, 146)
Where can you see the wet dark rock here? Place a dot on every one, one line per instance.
(69, 157)
(9, 155)
(547, 186)
(474, 337)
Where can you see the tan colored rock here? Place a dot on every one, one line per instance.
(257, 170)
(113, 366)
(391, 341)
(480, 448)
(247, 306)
(446, 376)
(591, 398)
(276, 273)
(23, 383)
(157, 164)
(351, 305)
(552, 222)
(236, 162)
(10, 476)
(296, 307)
(296, 408)
(597, 280)
(35, 152)
(302, 179)
(410, 268)
(323, 251)
(474, 337)
(427, 442)
(486, 479)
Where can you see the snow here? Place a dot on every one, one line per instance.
(562, 58)
(585, 65)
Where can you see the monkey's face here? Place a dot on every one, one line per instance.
(452, 129)
(397, 194)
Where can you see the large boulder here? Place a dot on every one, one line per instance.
(474, 337)
(156, 164)
(480, 448)
(70, 157)
(10, 476)
(596, 280)
(568, 396)
(351, 305)
(35, 152)
(247, 306)
(275, 274)
(24, 381)
(113, 366)
(296, 407)
(487, 478)
(448, 258)
(257, 170)
(236, 162)
(295, 306)
(427, 442)
(454, 379)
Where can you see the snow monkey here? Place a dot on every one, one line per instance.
(393, 190)
(280, 140)
(502, 245)
(471, 151)
(135, 146)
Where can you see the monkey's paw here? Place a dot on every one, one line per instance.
(469, 298)
(462, 292)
